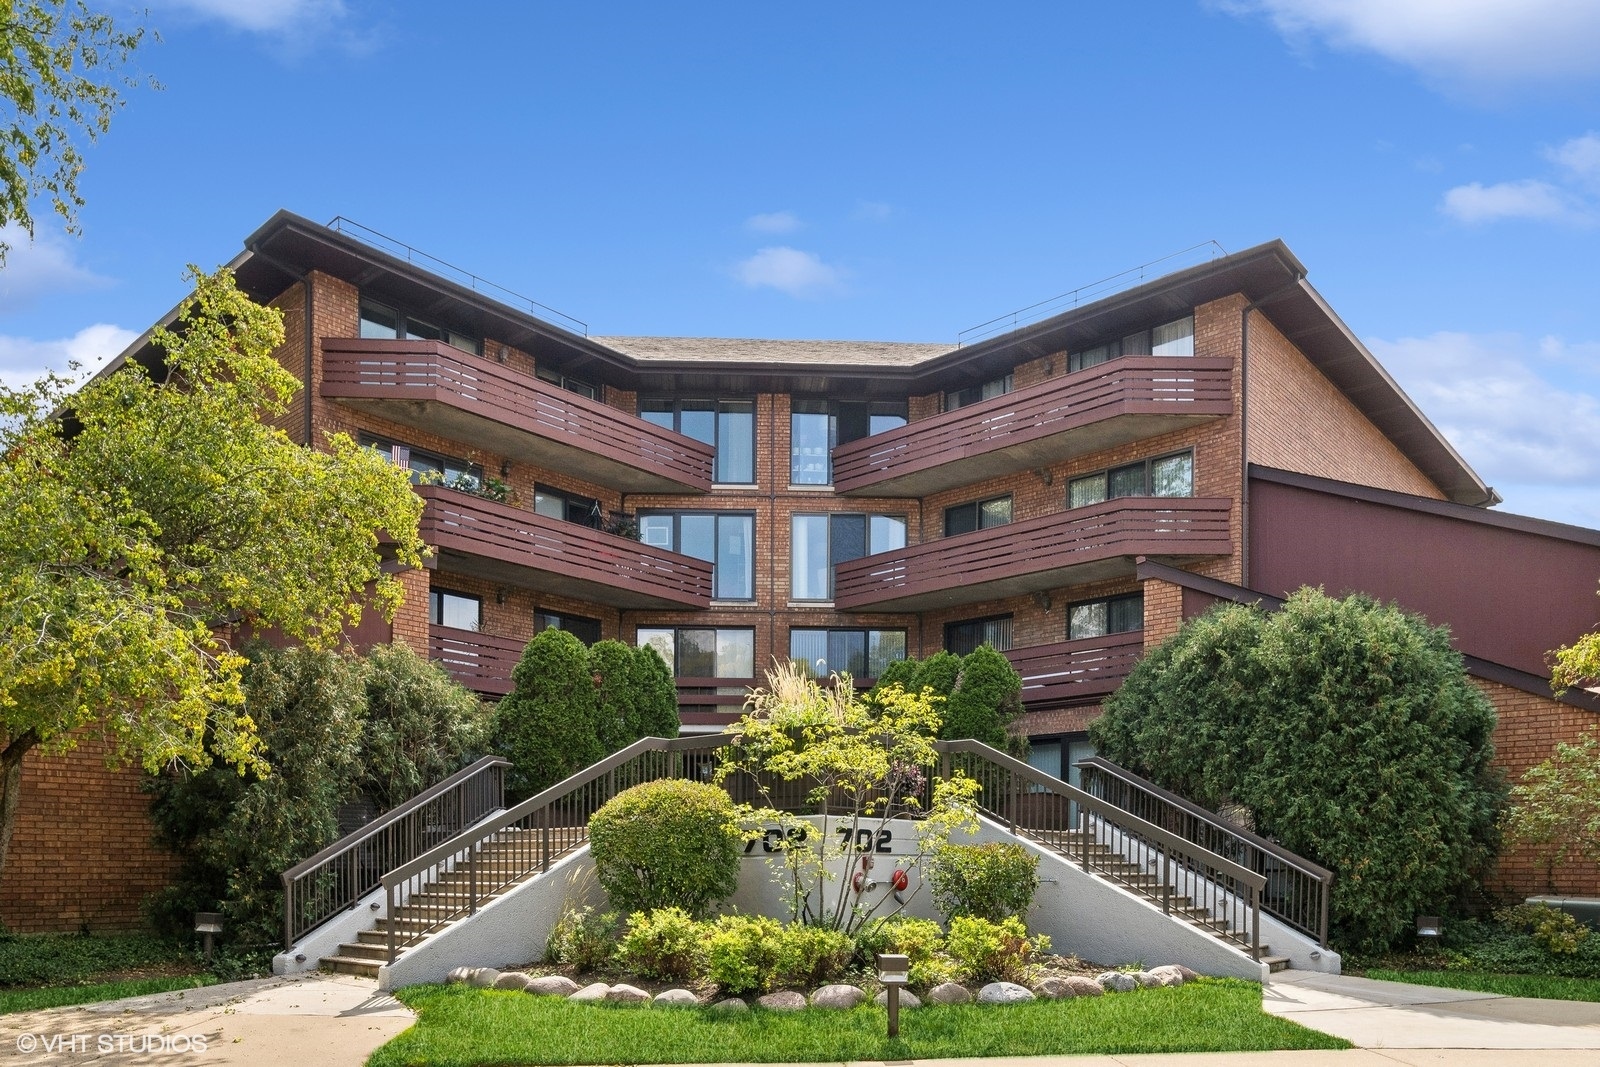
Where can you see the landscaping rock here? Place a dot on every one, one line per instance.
(1188, 975)
(483, 977)
(553, 985)
(677, 998)
(515, 980)
(1168, 975)
(628, 994)
(1116, 982)
(783, 1000)
(731, 1004)
(838, 996)
(949, 993)
(1052, 989)
(1003, 993)
(457, 975)
(597, 991)
(908, 999)
(1083, 987)
(1145, 979)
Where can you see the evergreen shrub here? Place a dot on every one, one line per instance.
(667, 843)
(990, 881)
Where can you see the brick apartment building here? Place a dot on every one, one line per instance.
(1068, 491)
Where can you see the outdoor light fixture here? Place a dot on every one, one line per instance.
(208, 923)
(894, 971)
(505, 469)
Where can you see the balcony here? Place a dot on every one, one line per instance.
(454, 394)
(1081, 545)
(1124, 400)
(507, 545)
(481, 662)
(1072, 672)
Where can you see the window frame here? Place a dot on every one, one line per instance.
(867, 631)
(582, 387)
(1148, 464)
(403, 320)
(1107, 601)
(564, 621)
(677, 645)
(676, 541)
(977, 507)
(839, 428)
(985, 621)
(465, 471)
(593, 518)
(436, 613)
(832, 564)
(718, 445)
(955, 399)
(1137, 343)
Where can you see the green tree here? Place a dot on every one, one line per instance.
(1577, 663)
(547, 726)
(616, 694)
(985, 701)
(59, 71)
(421, 725)
(1556, 806)
(159, 509)
(656, 706)
(1348, 728)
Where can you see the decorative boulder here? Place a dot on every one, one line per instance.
(908, 999)
(1003, 993)
(597, 991)
(730, 1004)
(458, 974)
(949, 993)
(783, 1000)
(1145, 979)
(1116, 982)
(1083, 987)
(1168, 975)
(483, 977)
(1188, 975)
(513, 980)
(628, 994)
(552, 985)
(1052, 989)
(676, 998)
(838, 996)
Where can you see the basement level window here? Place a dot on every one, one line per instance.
(386, 323)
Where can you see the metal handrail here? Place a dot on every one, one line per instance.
(458, 876)
(336, 877)
(1301, 900)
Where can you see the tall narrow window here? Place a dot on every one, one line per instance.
(729, 426)
(725, 539)
(816, 426)
(819, 543)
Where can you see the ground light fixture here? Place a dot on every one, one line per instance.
(208, 923)
(894, 971)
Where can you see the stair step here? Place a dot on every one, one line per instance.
(351, 965)
(1276, 963)
(364, 951)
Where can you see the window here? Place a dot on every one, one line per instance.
(729, 426)
(695, 652)
(1059, 758)
(456, 610)
(965, 636)
(822, 542)
(426, 467)
(978, 515)
(1175, 338)
(859, 653)
(816, 426)
(1163, 476)
(585, 630)
(1108, 615)
(568, 507)
(960, 398)
(725, 539)
(381, 321)
(571, 385)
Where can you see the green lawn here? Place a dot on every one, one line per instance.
(1542, 987)
(461, 1026)
(60, 996)
(54, 970)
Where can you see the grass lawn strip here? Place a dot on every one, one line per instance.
(460, 1026)
(1537, 986)
(13, 1000)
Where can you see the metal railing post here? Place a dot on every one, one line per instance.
(394, 917)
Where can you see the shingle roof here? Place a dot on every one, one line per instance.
(747, 350)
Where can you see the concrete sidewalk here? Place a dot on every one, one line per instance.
(307, 1020)
(316, 1019)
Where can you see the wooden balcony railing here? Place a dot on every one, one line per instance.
(500, 543)
(430, 385)
(1080, 545)
(481, 662)
(1070, 671)
(1125, 400)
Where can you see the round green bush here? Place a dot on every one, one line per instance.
(991, 881)
(984, 951)
(813, 955)
(666, 844)
(665, 943)
(742, 953)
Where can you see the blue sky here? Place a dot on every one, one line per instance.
(897, 172)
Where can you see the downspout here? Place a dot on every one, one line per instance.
(1244, 424)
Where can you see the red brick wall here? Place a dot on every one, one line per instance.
(83, 854)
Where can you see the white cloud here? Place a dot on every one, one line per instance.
(40, 266)
(1524, 413)
(773, 222)
(789, 270)
(23, 360)
(262, 16)
(1579, 158)
(1476, 46)
(1526, 199)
